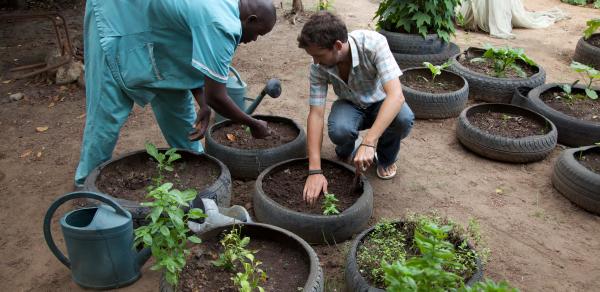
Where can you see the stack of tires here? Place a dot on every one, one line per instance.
(411, 50)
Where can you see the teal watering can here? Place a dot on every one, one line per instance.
(99, 243)
(236, 89)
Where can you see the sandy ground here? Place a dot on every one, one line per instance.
(539, 241)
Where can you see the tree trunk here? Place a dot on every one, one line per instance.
(297, 6)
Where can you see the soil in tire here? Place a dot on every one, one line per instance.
(580, 106)
(508, 125)
(486, 67)
(422, 82)
(239, 136)
(285, 185)
(590, 159)
(286, 267)
(129, 178)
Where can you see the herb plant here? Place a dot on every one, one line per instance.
(505, 58)
(386, 244)
(234, 250)
(329, 206)
(592, 75)
(251, 277)
(418, 17)
(166, 234)
(164, 160)
(326, 5)
(436, 70)
(592, 26)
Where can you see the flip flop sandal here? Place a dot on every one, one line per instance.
(389, 176)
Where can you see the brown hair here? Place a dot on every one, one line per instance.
(323, 29)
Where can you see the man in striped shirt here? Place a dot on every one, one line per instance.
(365, 77)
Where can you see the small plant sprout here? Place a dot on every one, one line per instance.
(592, 75)
(234, 250)
(251, 277)
(164, 160)
(326, 5)
(329, 206)
(167, 232)
(505, 58)
(592, 27)
(568, 91)
(436, 69)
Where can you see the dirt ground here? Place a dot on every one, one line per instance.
(539, 241)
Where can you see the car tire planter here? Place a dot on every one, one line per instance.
(248, 164)
(219, 191)
(492, 89)
(404, 43)
(315, 279)
(587, 53)
(355, 282)
(316, 229)
(416, 60)
(576, 182)
(520, 97)
(516, 150)
(426, 105)
(571, 131)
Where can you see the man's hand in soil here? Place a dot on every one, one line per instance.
(260, 129)
(315, 184)
(201, 124)
(364, 157)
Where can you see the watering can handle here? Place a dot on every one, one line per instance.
(58, 202)
(237, 75)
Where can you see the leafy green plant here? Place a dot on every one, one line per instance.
(386, 243)
(329, 206)
(568, 91)
(167, 232)
(505, 58)
(326, 5)
(251, 277)
(418, 17)
(592, 26)
(234, 249)
(596, 3)
(436, 70)
(164, 160)
(592, 75)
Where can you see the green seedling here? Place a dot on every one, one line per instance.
(386, 244)
(234, 250)
(568, 91)
(505, 58)
(592, 75)
(251, 277)
(164, 160)
(592, 26)
(329, 206)
(167, 232)
(435, 70)
(506, 117)
(326, 5)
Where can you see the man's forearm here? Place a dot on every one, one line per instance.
(315, 136)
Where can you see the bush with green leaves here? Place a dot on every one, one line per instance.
(251, 277)
(167, 233)
(592, 75)
(234, 249)
(329, 206)
(418, 17)
(592, 27)
(505, 58)
(595, 3)
(164, 161)
(435, 70)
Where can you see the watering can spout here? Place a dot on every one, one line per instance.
(143, 256)
(272, 89)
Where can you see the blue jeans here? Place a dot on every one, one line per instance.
(347, 119)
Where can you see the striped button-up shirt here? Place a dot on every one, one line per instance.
(372, 66)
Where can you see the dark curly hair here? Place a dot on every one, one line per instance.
(323, 29)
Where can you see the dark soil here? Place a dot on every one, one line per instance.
(129, 178)
(594, 41)
(287, 268)
(285, 185)
(508, 125)
(590, 159)
(241, 194)
(421, 81)
(487, 68)
(580, 107)
(240, 136)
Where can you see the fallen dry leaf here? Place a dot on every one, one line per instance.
(499, 191)
(81, 116)
(41, 129)
(7, 81)
(230, 137)
(25, 154)
(51, 104)
(39, 154)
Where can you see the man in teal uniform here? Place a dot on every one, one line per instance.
(167, 53)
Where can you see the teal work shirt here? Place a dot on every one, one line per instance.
(155, 46)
